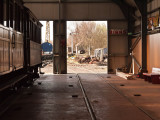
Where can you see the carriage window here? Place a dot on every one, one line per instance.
(21, 21)
(11, 15)
(35, 31)
(4, 13)
(19, 13)
(31, 29)
(1, 12)
(17, 17)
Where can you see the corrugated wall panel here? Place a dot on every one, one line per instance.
(152, 6)
(137, 52)
(153, 43)
(118, 47)
(76, 11)
(153, 48)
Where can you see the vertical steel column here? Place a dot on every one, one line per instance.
(7, 13)
(59, 37)
(131, 22)
(144, 35)
(59, 45)
(109, 59)
(142, 6)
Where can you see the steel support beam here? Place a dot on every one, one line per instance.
(135, 43)
(136, 61)
(123, 6)
(59, 48)
(142, 6)
(67, 1)
(131, 21)
(59, 45)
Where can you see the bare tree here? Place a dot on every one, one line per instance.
(89, 36)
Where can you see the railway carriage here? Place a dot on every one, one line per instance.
(33, 52)
(20, 43)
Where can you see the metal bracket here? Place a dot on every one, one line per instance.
(135, 43)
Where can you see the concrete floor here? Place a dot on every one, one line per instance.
(59, 97)
(149, 101)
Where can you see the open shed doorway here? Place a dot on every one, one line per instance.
(47, 47)
(87, 46)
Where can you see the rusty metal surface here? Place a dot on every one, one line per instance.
(35, 53)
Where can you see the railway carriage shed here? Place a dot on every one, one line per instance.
(133, 42)
(129, 15)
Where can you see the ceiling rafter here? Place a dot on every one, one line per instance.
(123, 6)
(67, 1)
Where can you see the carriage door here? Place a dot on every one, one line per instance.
(59, 48)
(13, 56)
(12, 46)
(16, 49)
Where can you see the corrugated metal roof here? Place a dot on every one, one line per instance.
(129, 2)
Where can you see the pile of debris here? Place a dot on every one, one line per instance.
(86, 59)
(94, 61)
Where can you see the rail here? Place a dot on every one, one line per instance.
(89, 107)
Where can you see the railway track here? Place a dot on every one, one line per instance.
(88, 104)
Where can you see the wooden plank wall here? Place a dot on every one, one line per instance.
(153, 41)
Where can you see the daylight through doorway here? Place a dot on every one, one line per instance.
(47, 47)
(87, 46)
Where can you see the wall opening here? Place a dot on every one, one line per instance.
(47, 47)
(87, 47)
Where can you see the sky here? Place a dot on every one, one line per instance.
(44, 30)
(70, 26)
